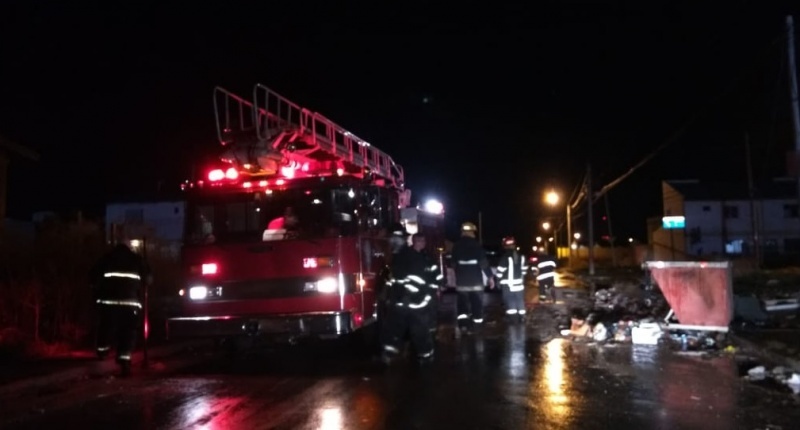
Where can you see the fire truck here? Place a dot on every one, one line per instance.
(287, 233)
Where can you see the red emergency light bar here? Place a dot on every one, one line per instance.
(294, 170)
(217, 175)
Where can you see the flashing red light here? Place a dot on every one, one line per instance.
(232, 173)
(263, 184)
(339, 171)
(209, 269)
(216, 175)
(358, 319)
(247, 185)
(280, 182)
(287, 171)
(305, 167)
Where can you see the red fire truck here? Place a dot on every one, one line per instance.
(287, 233)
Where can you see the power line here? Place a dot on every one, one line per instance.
(679, 132)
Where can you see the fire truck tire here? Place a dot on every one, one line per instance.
(365, 342)
(230, 345)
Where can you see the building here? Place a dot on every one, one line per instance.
(726, 220)
(161, 223)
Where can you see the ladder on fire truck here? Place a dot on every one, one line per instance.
(272, 122)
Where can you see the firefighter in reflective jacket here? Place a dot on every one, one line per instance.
(546, 276)
(471, 267)
(435, 278)
(411, 292)
(117, 281)
(511, 270)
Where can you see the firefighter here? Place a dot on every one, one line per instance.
(411, 293)
(511, 269)
(397, 242)
(546, 277)
(471, 268)
(117, 281)
(435, 279)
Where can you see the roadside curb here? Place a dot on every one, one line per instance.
(765, 354)
(96, 369)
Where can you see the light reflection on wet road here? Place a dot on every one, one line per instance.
(508, 377)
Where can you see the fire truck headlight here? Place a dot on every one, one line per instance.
(324, 285)
(198, 293)
(434, 206)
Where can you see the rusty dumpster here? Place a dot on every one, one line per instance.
(700, 294)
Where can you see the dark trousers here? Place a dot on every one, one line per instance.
(546, 287)
(433, 313)
(469, 306)
(117, 326)
(400, 320)
(514, 301)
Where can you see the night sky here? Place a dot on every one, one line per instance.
(485, 108)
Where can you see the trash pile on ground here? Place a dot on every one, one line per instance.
(619, 313)
(629, 312)
(778, 374)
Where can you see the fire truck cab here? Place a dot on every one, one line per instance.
(287, 234)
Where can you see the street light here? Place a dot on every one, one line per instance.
(577, 236)
(551, 198)
(546, 225)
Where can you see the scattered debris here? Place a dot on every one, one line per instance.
(778, 374)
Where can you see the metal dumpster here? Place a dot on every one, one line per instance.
(699, 293)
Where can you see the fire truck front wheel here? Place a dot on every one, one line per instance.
(366, 340)
(231, 345)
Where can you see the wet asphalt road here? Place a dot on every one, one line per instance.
(507, 377)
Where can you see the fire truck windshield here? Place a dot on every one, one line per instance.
(278, 215)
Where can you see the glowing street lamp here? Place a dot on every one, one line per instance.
(551, 198)
(546, 225)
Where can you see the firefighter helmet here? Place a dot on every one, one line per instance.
(468, 228)
(509, 242)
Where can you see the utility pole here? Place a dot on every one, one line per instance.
(480, 227)
(754, 218)
(589, 201)
(610, 232)
(569, 233)
(793, 93)
(146, 312)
